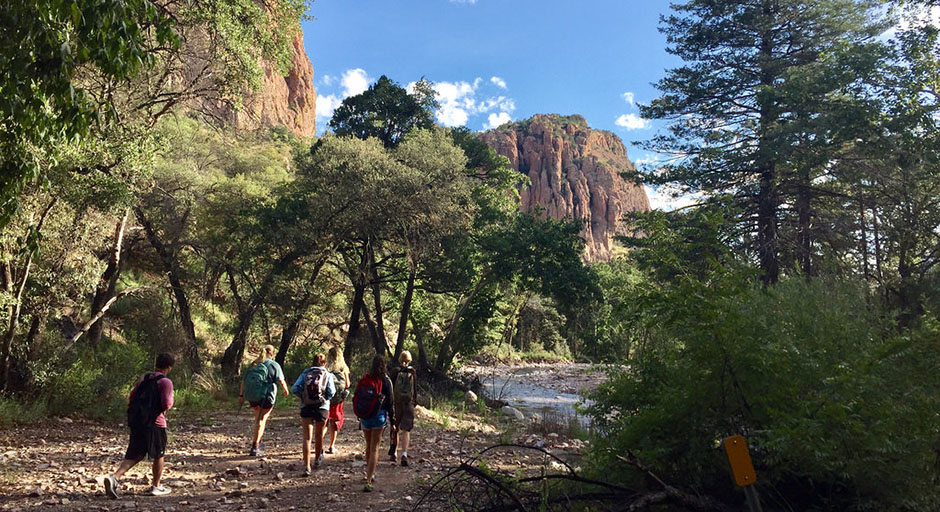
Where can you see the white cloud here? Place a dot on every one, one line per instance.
(663, 198)
(495, 120)
(459, 101)
(498, 82)
(326, 105)
(646, 160)
(632, 122)
(355, 81)
(629, 98)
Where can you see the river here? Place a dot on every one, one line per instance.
(551, 390)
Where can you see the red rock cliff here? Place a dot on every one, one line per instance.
(286, 100)
(575, 172)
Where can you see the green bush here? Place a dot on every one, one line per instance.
(13, 412)
(839, 408)
(97, 384)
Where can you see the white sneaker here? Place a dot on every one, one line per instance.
(159, 490)
(111, 487)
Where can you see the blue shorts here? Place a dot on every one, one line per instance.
(377, 421)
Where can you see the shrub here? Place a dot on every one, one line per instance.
(838, 407)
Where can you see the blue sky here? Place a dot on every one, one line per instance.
(497, 60)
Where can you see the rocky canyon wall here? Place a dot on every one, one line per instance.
(574, 172)
(284, 100)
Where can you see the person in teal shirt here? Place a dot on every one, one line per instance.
(315, 387)
(260, 381)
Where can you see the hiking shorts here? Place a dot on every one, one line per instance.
(264, 404)
(376, 421)
(314, 413)
(147, 441)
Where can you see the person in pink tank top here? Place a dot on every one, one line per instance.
(151, 397)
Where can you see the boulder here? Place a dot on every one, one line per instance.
(513, 413)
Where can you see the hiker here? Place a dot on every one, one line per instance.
(258, 387)
(315, 387)
(147, 404)
(406, 396)
(372, 404)
(337, 366)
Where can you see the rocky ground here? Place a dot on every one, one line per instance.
(59, 463)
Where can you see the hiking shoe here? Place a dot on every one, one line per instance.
(159, 490)
(307, 472)
(111, 487)
(367, 488)
(330, 450)
(260, 449)
(316, 463)
(253, 452)
(391, 450)
(404, 461)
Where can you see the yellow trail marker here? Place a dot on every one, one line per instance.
(740, 459)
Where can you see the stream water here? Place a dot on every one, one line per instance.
(550, 390)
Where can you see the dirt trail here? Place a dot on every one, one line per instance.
(58, 463)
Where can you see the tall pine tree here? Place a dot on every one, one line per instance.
(748, 101)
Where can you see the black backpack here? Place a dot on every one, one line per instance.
(146, 404)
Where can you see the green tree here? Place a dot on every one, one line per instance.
(754, 80)
(385, 111)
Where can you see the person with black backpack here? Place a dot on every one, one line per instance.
(315, 387)
(337, 366)
(406, 397)
(149, 400)
(258, 387)
(372, 403)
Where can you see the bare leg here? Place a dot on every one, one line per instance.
(157, 471)
(404, 439)
(125, 465)
(318, 438)
(307, 426)
(370, 461)
(261, 419)
(373, 453)
(331, 430)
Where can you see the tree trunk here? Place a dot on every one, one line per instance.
(767, 194)
(379, 345)
(378, 330)
(19, 286)
(863, 242)
(804, 228)
(423, 365)
(289, 332)
(353, 331)
(108, 282)
(908, 297)
(97, 315)
(232, 358)
(171, 267)
(405, 312)
(445, 356)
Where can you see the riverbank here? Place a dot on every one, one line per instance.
(547, 392)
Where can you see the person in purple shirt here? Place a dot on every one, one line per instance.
(149, 438)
